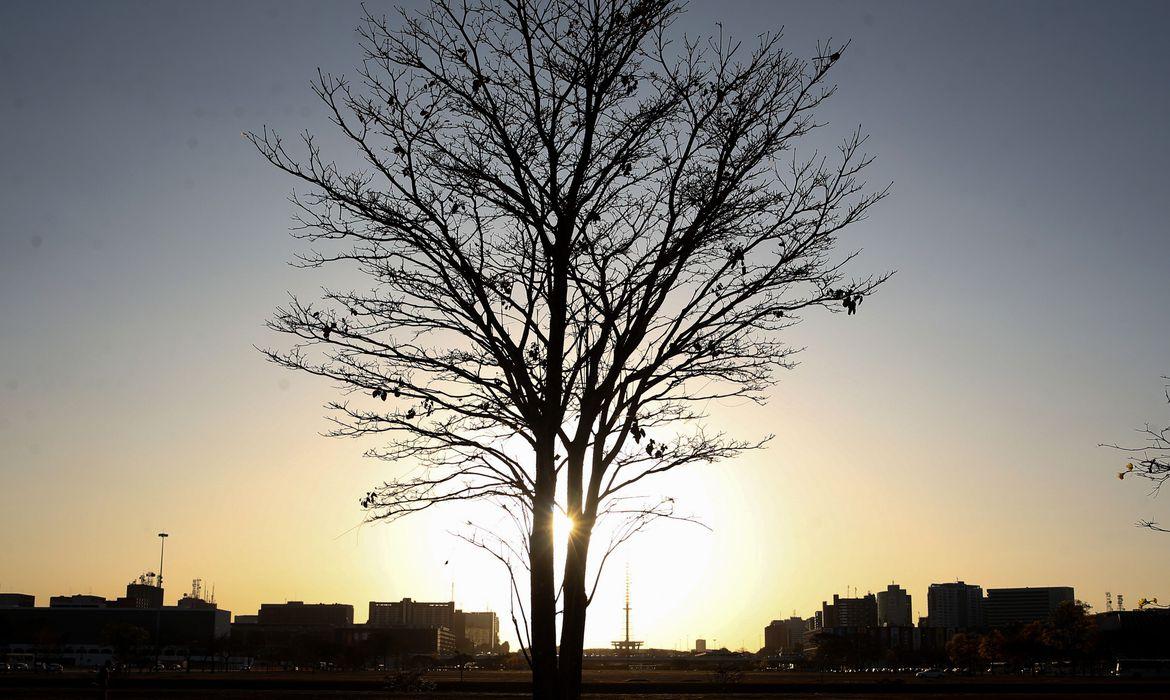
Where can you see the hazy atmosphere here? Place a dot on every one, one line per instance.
(948, 431)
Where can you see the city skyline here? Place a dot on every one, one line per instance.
(861, 609)
(948, 431)
(918, 614)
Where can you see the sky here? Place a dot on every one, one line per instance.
(948, 431)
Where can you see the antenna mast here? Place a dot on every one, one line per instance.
(627, 603)
(627, 645)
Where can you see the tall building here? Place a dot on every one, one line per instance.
(700, 646)
(784, 635)
(412, 613)
(481, 630)
(850, 612)
(893, 607)
(1007, 607)
(955, 605)
(296, 612)
(815, 623)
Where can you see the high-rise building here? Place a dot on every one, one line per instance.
(481, 630)
(700, 646)
(955, 605)
(816, 622)
(784, 635)
(893, 607)
(1007, 607)
(412, 613)
(850, 612)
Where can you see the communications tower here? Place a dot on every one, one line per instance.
(627, 645)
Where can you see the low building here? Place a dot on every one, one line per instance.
(385, 643)
(68, 630)
(298, 613)
(17, 600)
(192, 603)
(1011, 607)
(77, 601)
(471, 630)
(1135, 634)
(294, 632)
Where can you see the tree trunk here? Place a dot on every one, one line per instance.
(542, 580)
(576, 602)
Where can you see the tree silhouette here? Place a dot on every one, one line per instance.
(964, 649)
(577, 230)
(1071, 632)
(128, 641)
(1152, 460)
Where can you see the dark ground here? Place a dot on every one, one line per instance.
(611, 685)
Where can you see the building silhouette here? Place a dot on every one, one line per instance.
(784, 635)
(1008, 607)
(79, 630)
(77, 601)
(17, 600)
(893, 607)
(955, 605)
(468, 631)
(481, 630)
(412, 613)
(850, 612)
(141, 595)
(297, 613)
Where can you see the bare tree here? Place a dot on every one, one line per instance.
(577, 231)
(1151, 461)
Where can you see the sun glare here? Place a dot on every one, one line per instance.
(562, 524)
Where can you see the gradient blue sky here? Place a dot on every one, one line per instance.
(947, 431)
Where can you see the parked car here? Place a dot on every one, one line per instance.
(929, 674)
(54, 668)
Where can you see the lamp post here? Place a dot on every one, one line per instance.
(162, 536)
(162, 546)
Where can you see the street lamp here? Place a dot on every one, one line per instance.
(162, 546)
(162, 536)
